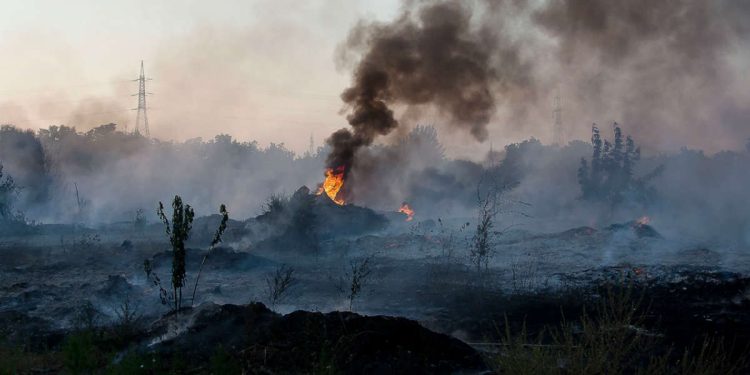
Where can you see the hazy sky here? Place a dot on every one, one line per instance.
(266, 70)
(260, 70)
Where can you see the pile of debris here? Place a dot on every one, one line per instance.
(305, 219)
(302, 341)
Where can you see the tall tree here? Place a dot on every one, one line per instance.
(596, 157)
(8, 192)
(610, 176)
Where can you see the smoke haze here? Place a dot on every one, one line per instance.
(672, 72)
(483, 71)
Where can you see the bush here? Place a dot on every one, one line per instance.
(178, 232)
(278, 284)
(357, 278)
(610, 175)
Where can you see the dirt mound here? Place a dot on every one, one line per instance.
(301, 221)
(639, 229)
(302, 341)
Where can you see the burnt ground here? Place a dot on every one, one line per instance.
(420, 272)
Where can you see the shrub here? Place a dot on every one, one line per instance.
(357, 277)
(278, 284)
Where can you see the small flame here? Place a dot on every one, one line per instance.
(643, 220)
(332, 185)
(405, 209)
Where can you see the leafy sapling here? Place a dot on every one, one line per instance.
(178, 232)
(154, 279)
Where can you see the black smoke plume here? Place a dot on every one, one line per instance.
(434, 58)
(671, 71)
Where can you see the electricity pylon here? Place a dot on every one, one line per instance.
(142, 113)
(557, 130)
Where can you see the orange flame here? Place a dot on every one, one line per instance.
(332, 185)
(643, 220)
(405, 209)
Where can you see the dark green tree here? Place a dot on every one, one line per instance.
(630, 157)
(608, 168)
(178, 232)
(617, 159)
(617, 147)
(596, 160)
(8, 191)
(611, 176)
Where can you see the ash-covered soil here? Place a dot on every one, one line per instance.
(419, 271)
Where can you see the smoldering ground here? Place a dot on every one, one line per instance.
(617, 60)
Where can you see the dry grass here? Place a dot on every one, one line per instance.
(609, 340)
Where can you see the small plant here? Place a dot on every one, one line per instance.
(279, 283)
(481, 247)
(215, 241)
(448, 242)
(8, 193)
(87, 317)
(128, 318)
(275, 205)
(139, 221)
(164, 296)
(488, 207)
(358, 277)
(526, 276)
(178, 232)
(82, 205)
